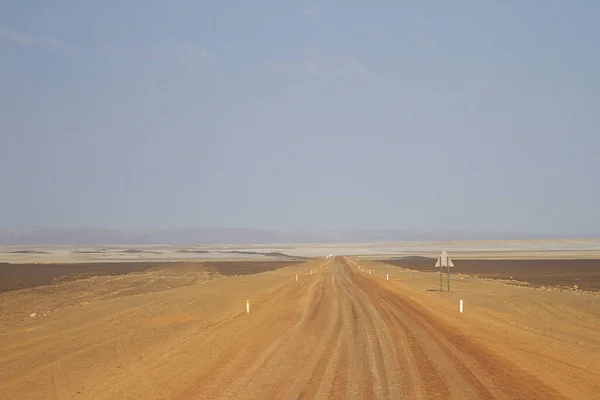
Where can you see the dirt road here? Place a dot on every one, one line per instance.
(353, 338)
(337, 333)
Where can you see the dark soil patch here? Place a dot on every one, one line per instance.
(229, 268)
(135, 251)
(29, 252)
(270, 254)
(558, 273)
(22, 276)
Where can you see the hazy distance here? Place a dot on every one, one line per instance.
(303, 116)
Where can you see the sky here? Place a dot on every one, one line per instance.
(471, 115)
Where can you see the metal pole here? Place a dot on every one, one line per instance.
(448, 262)
(441, 274)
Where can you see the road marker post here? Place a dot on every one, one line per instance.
(296, 277)
(461, 306)
(369, 272)
(311, 271)
(387, 277)
(247, 306)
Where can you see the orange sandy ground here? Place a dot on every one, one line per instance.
(338, 333)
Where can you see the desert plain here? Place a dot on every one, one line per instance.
(370, 322)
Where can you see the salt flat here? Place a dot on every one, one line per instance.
(566, 248)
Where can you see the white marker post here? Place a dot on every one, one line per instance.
(387, 277)
(296, 277)
(311, 271)
(247, 306)
(461, 305)
(369, 272)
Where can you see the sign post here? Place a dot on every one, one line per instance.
(444, 261)
(449, 274)
(439, 264)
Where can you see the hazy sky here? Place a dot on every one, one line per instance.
(291, 114)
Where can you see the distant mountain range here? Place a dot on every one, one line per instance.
(203, 235)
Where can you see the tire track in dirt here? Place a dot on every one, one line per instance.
(255, 340)
(324, 379)
(323, 350)
(269, 358)
(480, 373)
(379, 350)
(439, 377)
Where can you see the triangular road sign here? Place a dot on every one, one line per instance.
(444, 260)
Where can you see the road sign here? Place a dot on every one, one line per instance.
(444, 261)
